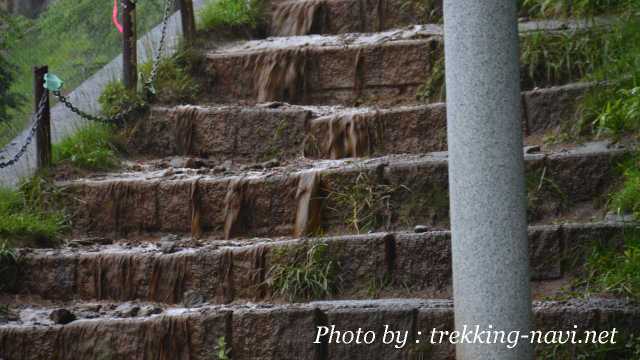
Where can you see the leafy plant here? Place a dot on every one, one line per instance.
(174, 83)
(91, 147)
(115, 98)
(313, 276)
(233, 13)
(627, 198)
(222, 350)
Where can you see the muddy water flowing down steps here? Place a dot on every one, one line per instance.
(183, 247)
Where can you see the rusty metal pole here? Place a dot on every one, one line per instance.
(43, 132)
(188, 21)
(129, 50)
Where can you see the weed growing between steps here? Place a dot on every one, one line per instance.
(367, 203)
(231, 13)
(554, 58)
(93, 147)
(30, 215)
(626, 347)
(547, 58)
(303, 273)
(542, 9)
(174, 83)
(8, 270)
(613, 107)
(115, 98)
(423, 11)
(222, 349)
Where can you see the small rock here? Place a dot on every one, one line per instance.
(532, 149)
(168, 244)
(193, 299)
(270, 164)
(149, 310)
(272, 105)
(62, 316)
(127, 310)
(421, 229)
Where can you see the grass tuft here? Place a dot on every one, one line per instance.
(231, 13)
(29, 216)
(312, 276)
(91, 147)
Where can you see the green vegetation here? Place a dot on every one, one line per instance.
(231, 13)
(8, 98)
(551, 58)
(174, 83)
(75, 38)
(92, 147)
(300, 275)
(422, 11)
(433, 89)
(570, 8)
(611, 271)
(627, 348)
(8, 269)
(115, 98)
(222, 349)
(613, 107)
(30, 216)
(366, 201)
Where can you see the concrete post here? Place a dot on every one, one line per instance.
(486, 174)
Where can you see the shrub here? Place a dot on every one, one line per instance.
(91, 147)
(174, 83)
(234, 13)
(115, 98)
(29, 216)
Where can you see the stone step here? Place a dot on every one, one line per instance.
(282, 131)
(287, 332)
(326, 196)
(385, 68)
(304, 17)
(364, 266)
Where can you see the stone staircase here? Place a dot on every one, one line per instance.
(174, 255)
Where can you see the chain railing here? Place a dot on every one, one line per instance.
(118, 119)
(33, 128)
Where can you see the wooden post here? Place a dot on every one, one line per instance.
(188, 21)
(129, 49)
(43, 132)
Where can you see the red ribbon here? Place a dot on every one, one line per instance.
(115, 16)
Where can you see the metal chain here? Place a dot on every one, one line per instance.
(168, 5)
(118, 119)
(35, 121)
